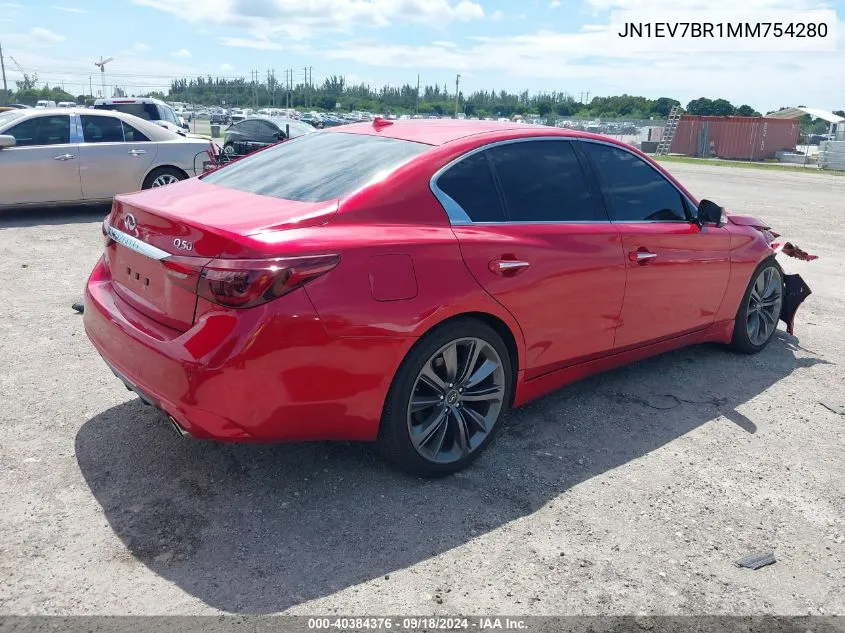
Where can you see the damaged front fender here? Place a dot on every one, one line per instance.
(795, 291)
(795, 288)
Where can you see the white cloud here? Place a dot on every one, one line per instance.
(138, 48)
(226, 68)
(46, 36)
(287, 20)
(257, 44)
(68, 9)
(554, 4)
(182, 53)
(497, 16)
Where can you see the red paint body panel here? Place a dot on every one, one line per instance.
(317, 363)
(678, 291)
(568, 300)
(744, 138)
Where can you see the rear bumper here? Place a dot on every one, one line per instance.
(271, 373)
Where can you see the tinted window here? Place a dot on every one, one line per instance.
(132, 135)
(147, 111)
(44, 130)
(634, 189)
(470, 183)
(267, 131)
(316, 167)
(247, 128)
(101, 129)
(542, 182)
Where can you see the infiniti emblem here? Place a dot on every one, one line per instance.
(129, 221)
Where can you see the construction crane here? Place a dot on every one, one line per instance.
(102, 66)
(17, 65)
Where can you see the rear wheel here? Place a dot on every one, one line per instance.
(760, 309)
(447, 399)
(163, 176)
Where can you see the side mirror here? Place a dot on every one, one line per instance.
(711, 213)
(7, 141)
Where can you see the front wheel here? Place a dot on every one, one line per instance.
(447, 399)
(759, 312)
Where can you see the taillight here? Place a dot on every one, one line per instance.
(245, 283)
(105, 228)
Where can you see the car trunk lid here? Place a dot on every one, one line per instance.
(161, 238)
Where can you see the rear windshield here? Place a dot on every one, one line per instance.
(147, 111)
(316, 167)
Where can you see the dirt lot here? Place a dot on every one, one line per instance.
(631, 492)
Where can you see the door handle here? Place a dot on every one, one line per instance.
(64, 157)
(508, 266)
(137, 152)
(641, 256)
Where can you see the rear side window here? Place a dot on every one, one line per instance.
(470, 183)
(635, 190)
(542, 181)
(43, 130)
(132, 135)
(316, 167)
(101, 129)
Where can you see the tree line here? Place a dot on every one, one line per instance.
(335, 94)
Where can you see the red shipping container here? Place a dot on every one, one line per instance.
(734, 137)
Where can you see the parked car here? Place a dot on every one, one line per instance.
(146, 108)
(409, 282)
(260, 131)
(237, 114)
(45, 103)
(219, 117)
(64, 156)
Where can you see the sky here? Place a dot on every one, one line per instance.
(515, 45)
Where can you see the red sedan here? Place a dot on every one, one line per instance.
(408, 282)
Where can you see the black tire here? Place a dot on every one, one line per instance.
(741, 339)
(163, 172)
(394, 433)
(229, 149)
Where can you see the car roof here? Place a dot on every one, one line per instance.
(119, 100)
(154, 131)
(440, 131)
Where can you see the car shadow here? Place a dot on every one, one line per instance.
(258, 529)
(40, 216)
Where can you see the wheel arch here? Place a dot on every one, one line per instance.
(512, 339)
(164, 166)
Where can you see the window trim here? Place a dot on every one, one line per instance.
(458, 217)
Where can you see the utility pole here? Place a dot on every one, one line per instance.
(90, 87)
(3, 68)
(457, 93)
(417, 106)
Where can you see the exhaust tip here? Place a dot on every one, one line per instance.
(178, 428)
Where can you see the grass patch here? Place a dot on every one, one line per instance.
(715, 162)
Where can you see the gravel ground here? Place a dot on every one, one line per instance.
(631, 492)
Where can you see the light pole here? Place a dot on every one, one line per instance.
(457, 93)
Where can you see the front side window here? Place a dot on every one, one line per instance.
(470, 183)
(43, 130)
(101, 129)
(542, 181)
(316, 167)
(635, 191)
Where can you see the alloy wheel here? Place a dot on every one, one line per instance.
(164, 179)
(764, 306)
(456, 400)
